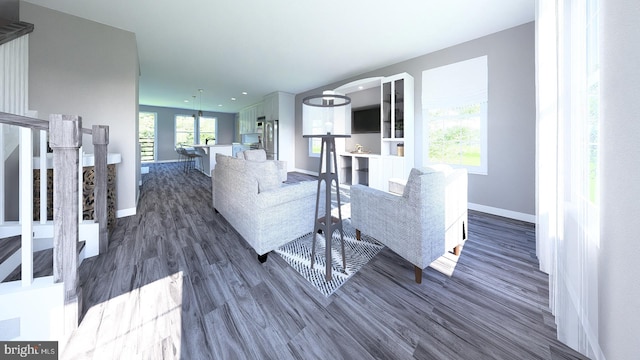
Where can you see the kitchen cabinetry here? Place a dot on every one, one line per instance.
(275, 106)
(271, 106)
(247, 119)
(281, 106)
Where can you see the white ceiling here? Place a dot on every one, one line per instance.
(229, 46)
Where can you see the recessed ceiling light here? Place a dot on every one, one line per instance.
(233, 99)
(220, 105)
(244, 93)
(186, 101)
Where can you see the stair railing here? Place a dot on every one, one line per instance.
(65, 135)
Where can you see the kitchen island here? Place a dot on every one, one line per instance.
(207, 162)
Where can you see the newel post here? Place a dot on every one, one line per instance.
(65, 134)
(100, 142)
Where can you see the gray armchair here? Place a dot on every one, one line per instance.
(429, 217)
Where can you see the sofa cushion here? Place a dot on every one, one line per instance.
(265, 172)
(221, 158)
(235, 164)
(255, 155)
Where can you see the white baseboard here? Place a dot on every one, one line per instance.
(502, 212)
(125, 212)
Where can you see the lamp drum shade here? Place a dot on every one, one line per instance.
(326, 114)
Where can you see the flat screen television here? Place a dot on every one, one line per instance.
(365, 120)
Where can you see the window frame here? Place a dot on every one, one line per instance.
(199, 131)
(175, 129)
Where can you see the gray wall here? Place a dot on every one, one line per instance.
(9, 10)
(165, 129)
(510, 183)
(80, 67)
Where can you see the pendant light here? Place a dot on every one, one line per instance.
(200, 112)
(194, 106)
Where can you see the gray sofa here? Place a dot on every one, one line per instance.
(263, 210)
(429, 218)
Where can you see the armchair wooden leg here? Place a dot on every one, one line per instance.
(418, 272)
(263, 258)
(457, 250)
(358, 234)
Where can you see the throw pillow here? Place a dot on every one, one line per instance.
(236, 164)
(265, 172)
(255, 155)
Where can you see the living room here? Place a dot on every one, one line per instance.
(509, 188)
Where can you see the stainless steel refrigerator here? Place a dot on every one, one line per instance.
(270, 138)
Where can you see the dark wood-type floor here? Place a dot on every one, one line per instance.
(178, 282)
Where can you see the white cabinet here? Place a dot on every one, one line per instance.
(271, 106)
(259, 109)
(370, 169)
(275, 106)
(396, 132)
(281, 106)
(397, 128)
(248, 119)
(355, 168)
(376, 171)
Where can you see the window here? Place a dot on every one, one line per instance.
(206, 129)
(455, 135)
(185, 129)
(454, 104)
(147, 136)
(314, 146)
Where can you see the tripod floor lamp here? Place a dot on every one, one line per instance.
(325, 116)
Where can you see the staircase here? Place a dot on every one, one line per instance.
(39, 293)
(39, 260)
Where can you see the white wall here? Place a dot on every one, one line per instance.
(80, 67)
(619, 282)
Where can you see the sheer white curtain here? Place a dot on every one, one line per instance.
(567, 233)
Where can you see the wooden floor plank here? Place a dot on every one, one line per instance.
(178, 282)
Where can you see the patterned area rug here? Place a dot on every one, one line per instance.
(298, 254)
